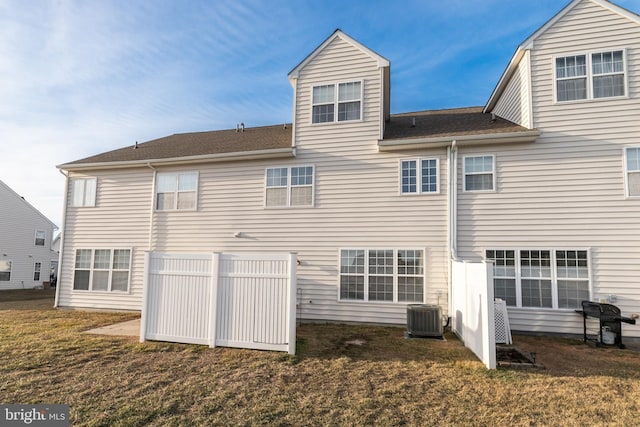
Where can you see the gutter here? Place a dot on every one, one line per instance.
(62, 234)
(461, 140)
(203, 158)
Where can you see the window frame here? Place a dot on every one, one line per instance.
(626, 170)
(493, 173)
(177, 191)
(289, 187)
(84, 203)
(419, 176)
(44, 238)
(336, 102)
(37, 269)
(590, 75)
(555, 277)
(396, 275)
(110, 270)
(10, 263)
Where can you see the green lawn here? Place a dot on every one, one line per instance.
(387, 380)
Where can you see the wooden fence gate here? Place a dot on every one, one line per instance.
(230, 300)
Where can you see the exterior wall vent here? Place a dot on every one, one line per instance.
(424, 320)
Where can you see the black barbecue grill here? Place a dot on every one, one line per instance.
(610, 322)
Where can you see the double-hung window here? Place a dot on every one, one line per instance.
(289, 186)
(418, 176)
(590, 76)
(632, 171)
(83, 192)
(40, 236)
(541, 278)
(388, 275)
(337, 102)
(479, 173)
(105, 270)
(176, 191)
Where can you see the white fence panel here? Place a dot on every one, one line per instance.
(177, 301)
(254, 304)
(245, 301)
(473, 309)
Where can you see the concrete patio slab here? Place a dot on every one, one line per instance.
(130, 328)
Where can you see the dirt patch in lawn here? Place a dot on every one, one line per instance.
(27, 299)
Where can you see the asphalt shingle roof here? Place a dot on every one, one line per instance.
(199, 143)
(441, 123)
(428, 124)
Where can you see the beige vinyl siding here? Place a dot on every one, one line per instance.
(514, 104)
(18, 224)
(567, 189)
(120, 219)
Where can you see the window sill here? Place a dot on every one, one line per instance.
(588, 100)
(83, 291)
(389, 303)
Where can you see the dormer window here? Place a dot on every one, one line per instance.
(594, 76)
(337, 102)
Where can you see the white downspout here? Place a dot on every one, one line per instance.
(153, 194)
(62, 233)
(452, 207)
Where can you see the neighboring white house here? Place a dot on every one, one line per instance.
(544, 180)
(25, 246)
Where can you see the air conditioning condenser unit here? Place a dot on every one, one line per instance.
(424, 321)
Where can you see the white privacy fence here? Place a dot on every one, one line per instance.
(229, 300)
(473, 309)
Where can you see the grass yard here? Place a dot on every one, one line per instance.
(342, 375)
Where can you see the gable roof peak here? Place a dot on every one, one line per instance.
(338, 33)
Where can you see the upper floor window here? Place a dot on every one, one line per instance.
(341, 102)
(479, 173)
(289, 186)
(632, 171)
(419, 176)
(598, 75)
(84, 192)
(40, 236)
(176, 191)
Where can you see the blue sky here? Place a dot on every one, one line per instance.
(82, 77)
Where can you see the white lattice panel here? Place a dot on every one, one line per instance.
(503, 330)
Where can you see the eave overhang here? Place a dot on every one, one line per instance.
(276, 153)
(444, 141)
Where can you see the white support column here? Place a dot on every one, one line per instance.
(213, 298)
(293, 262)
(145, 297)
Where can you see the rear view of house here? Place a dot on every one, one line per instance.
(542, 181)
(26, 257)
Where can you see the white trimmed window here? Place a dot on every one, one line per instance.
(388, 275)
(541, 278)
(632, 171)
(5, 271)
(176, 191)
(103, 270)
(593, 76)
(40, 236)
(479, 173)
(418, 176)
(337, 102)
(36, 271)
(83, 192)
(289, 186)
